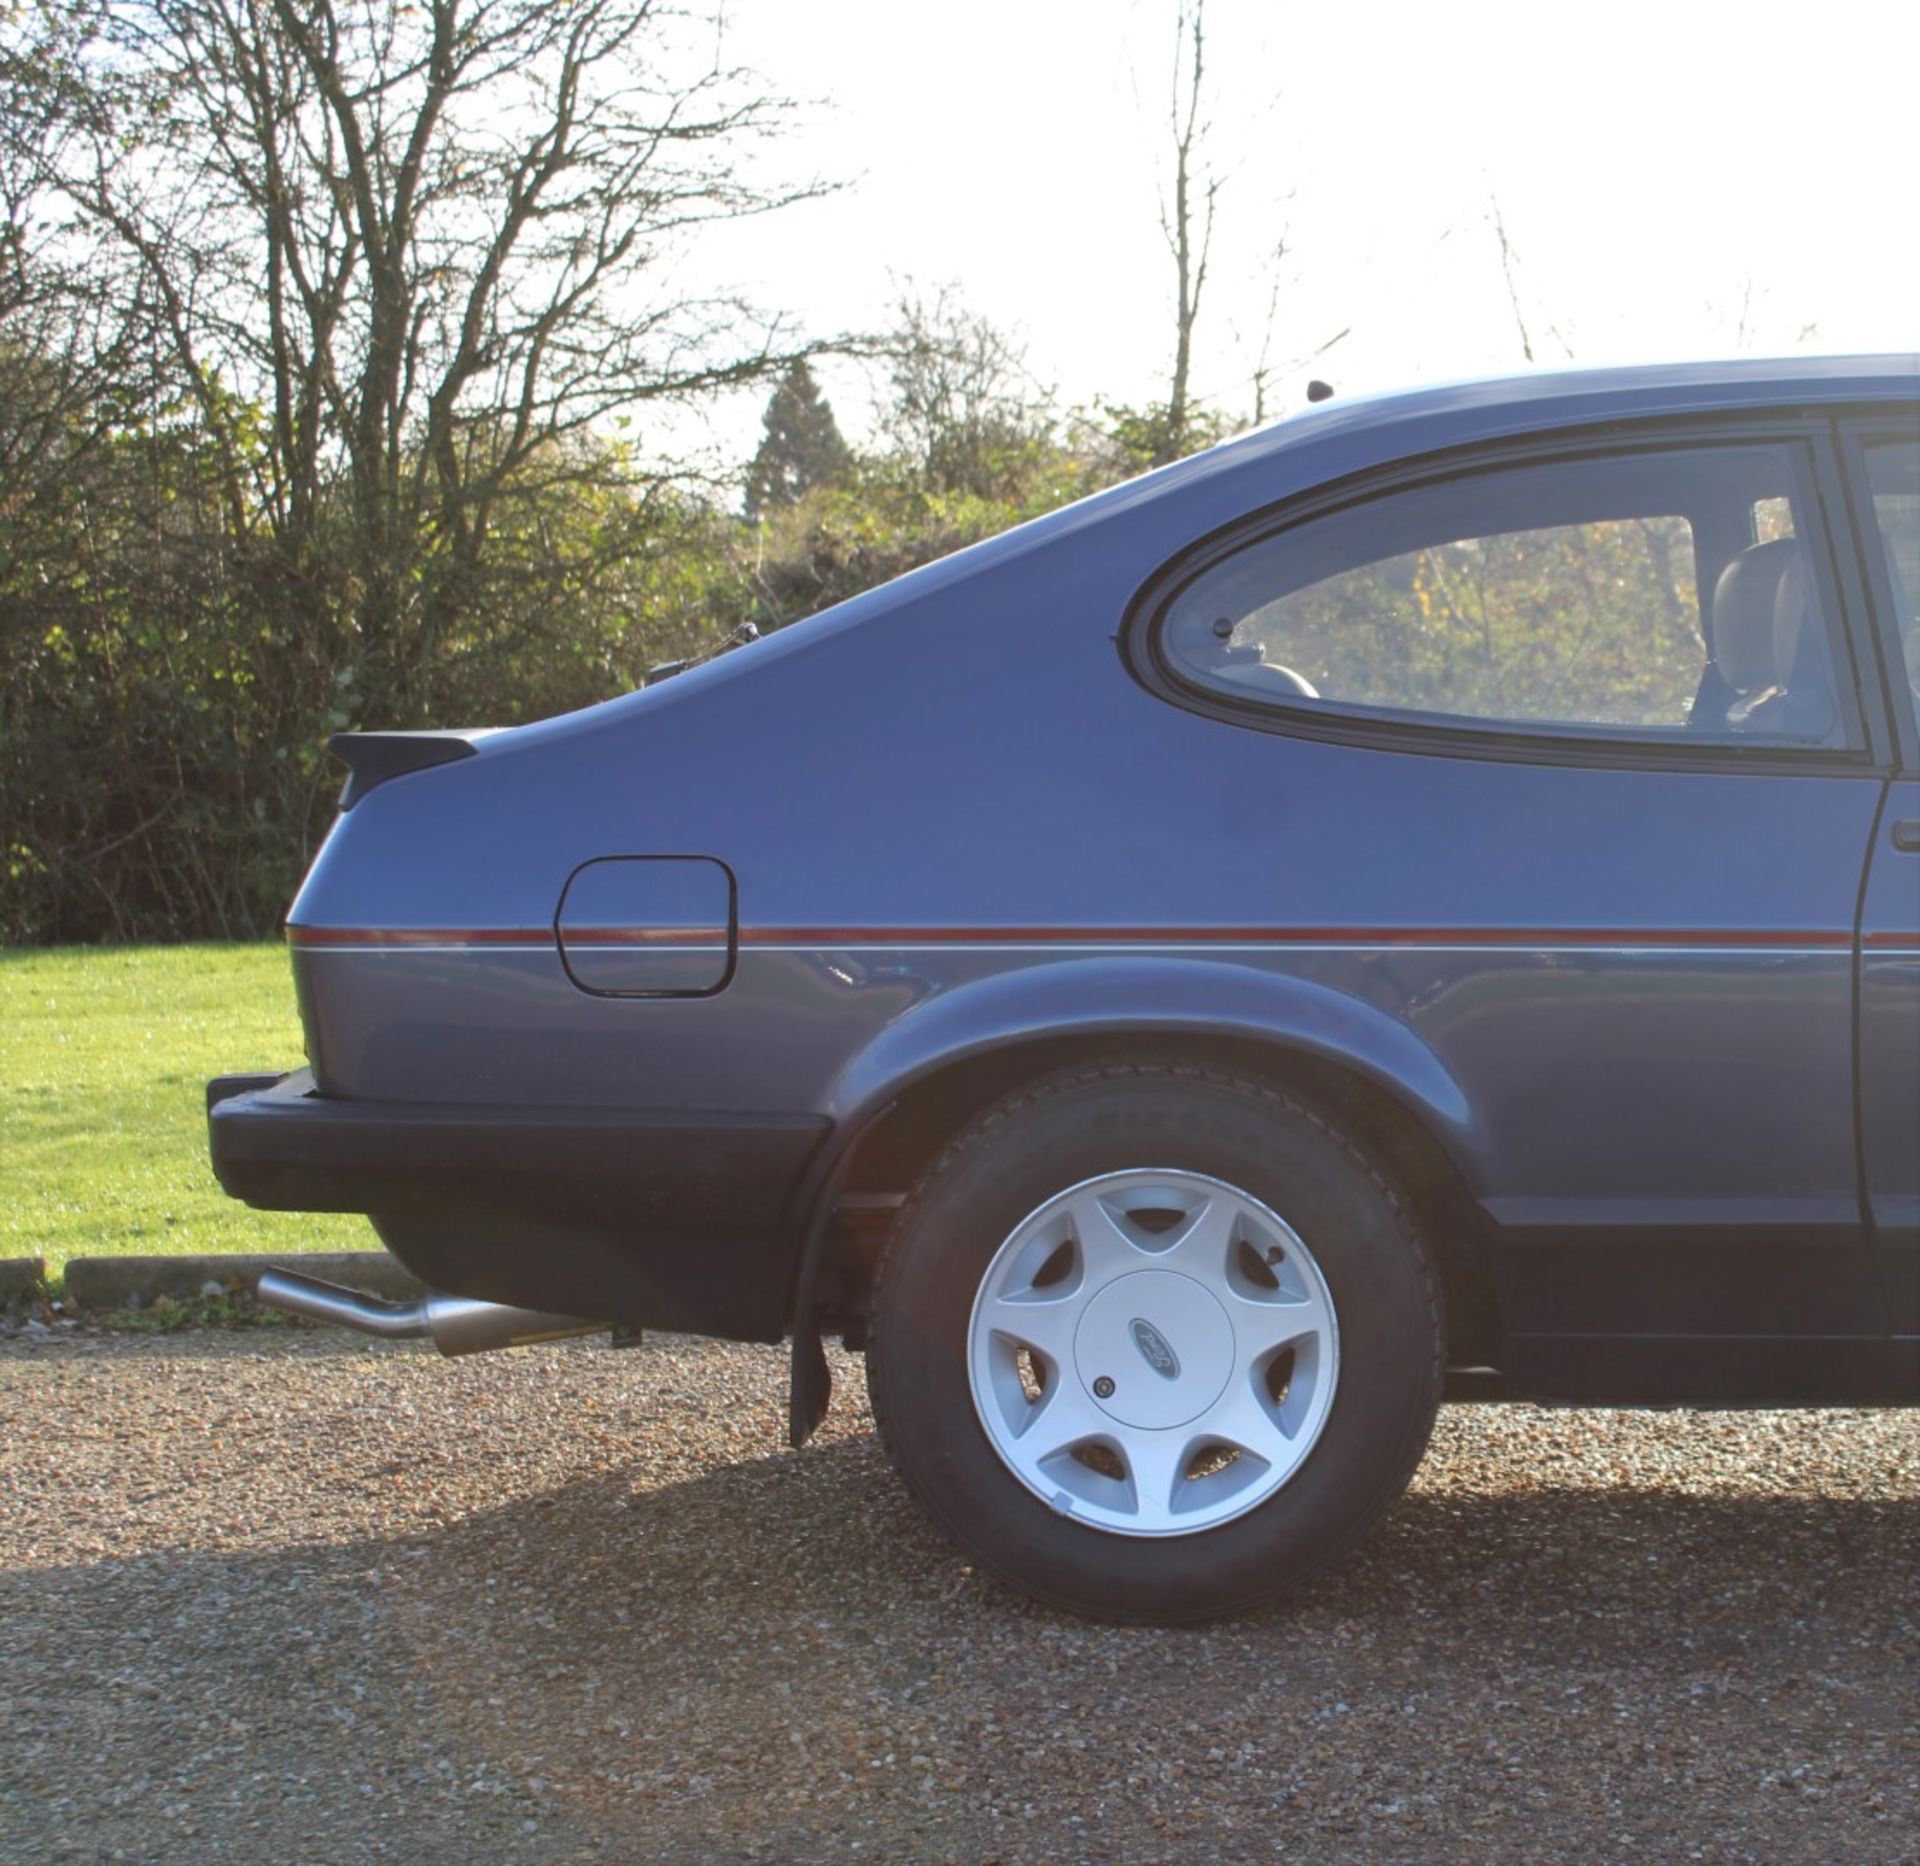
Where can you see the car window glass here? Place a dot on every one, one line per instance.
(1659, 596)
(1894, 470)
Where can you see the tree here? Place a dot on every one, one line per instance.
(400, 260)
(1187, 222)
(963, 411)
(1168, 430)
(326, 328)
(802, 447)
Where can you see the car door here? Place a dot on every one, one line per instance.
(1883, 462)
(1611, 863)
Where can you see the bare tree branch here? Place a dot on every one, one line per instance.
(1188, 226)
(1508, 261)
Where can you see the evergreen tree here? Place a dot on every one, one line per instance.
(803, 447)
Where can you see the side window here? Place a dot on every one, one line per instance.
(1893, 469)
(1658, 596)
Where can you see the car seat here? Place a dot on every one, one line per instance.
(1768, 648)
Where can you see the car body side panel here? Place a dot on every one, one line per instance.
(1519, 1028)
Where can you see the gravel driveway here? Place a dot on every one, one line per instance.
(324, 1601)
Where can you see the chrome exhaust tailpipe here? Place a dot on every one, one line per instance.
(455, 1324)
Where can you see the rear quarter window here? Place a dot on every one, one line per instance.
(1664, 596)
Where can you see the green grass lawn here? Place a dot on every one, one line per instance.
(104, 1057)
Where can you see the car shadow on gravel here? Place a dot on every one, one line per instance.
(766, 1659)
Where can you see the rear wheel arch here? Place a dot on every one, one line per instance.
(929, 1112)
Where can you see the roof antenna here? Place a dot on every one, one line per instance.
(1318, 391)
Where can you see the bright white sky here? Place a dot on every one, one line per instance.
(1659, 167)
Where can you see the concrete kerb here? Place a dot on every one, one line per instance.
(21, 1277)
(104, 1283)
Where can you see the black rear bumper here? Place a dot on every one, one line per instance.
(686, 1220)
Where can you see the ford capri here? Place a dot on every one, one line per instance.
(1420, 900)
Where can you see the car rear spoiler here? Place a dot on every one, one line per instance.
(373, 757)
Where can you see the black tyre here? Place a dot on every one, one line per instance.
(1154, 1343)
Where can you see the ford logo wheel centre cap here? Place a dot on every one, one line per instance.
(1155, 1349)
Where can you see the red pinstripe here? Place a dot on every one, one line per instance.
(1757, 939)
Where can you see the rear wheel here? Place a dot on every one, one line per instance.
(1154, 1343)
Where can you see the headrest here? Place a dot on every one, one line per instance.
(1748, 614)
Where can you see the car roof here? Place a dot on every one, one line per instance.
(1734, 379)
(1481, 407)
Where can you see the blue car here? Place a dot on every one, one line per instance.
(1419, 900)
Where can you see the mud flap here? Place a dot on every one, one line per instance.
(810, 1381)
